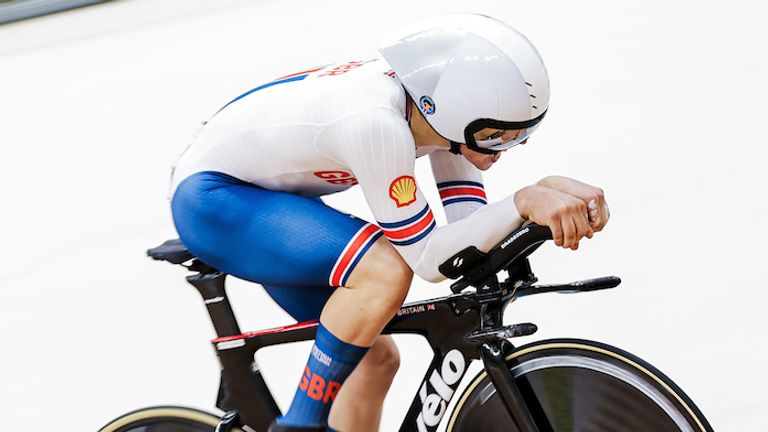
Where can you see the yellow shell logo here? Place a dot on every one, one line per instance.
(403, 190)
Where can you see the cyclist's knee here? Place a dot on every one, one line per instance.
(383, 269)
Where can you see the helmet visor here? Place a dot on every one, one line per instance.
(502, 139)
(490, 136)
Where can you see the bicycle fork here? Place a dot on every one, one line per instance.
(525, 412)
(517, 396)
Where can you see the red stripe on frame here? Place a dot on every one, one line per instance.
(298, 73)
(347, 258)
(446, 193)
(411, 230)
(297, 326)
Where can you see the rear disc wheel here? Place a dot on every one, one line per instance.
(165, 419)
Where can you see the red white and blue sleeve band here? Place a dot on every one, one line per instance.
(452, 192)
(409, 231)
(352, 253)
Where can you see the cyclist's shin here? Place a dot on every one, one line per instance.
(330, 363)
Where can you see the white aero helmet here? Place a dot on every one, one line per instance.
(467, 72)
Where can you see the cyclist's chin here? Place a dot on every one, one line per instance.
(481, 161)
(487, 162)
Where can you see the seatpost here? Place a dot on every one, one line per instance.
(211, 287)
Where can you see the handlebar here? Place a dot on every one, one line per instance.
(479, 269)
(475, 267)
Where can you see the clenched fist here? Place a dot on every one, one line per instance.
(571, 209)
(593, 196)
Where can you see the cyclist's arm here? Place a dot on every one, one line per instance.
(460, 184)
(379, 148)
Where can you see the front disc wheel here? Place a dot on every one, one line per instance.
(580, 386)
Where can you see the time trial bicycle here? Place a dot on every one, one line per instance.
(557, 385)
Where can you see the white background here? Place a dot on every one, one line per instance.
(661, 103)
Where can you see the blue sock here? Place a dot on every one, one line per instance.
(330, 363)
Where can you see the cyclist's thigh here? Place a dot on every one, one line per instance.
(302, 303)
(270, 237)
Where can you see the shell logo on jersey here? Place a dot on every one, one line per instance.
(403, 190)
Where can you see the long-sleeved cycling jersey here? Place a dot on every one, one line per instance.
(328, 129)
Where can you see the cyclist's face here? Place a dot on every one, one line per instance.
(484, 161)
(505, 135)
(481, 160)
(501, 138)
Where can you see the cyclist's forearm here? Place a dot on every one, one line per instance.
(483, 229)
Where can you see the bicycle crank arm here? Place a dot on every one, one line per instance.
(506, 332)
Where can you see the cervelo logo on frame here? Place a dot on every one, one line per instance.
(434, 405)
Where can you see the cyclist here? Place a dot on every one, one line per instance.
(245, 194)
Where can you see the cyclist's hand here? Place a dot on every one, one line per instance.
(564, 214)
(593, 196)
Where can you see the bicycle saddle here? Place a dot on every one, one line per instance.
(172, 251)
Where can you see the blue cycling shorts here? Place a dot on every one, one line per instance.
(295, 246)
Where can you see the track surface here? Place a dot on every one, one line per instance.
(660, 103)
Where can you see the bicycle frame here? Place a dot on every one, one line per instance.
(459, 328)
(447, 324)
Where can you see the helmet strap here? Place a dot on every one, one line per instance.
(455, 148)
(408, 107)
